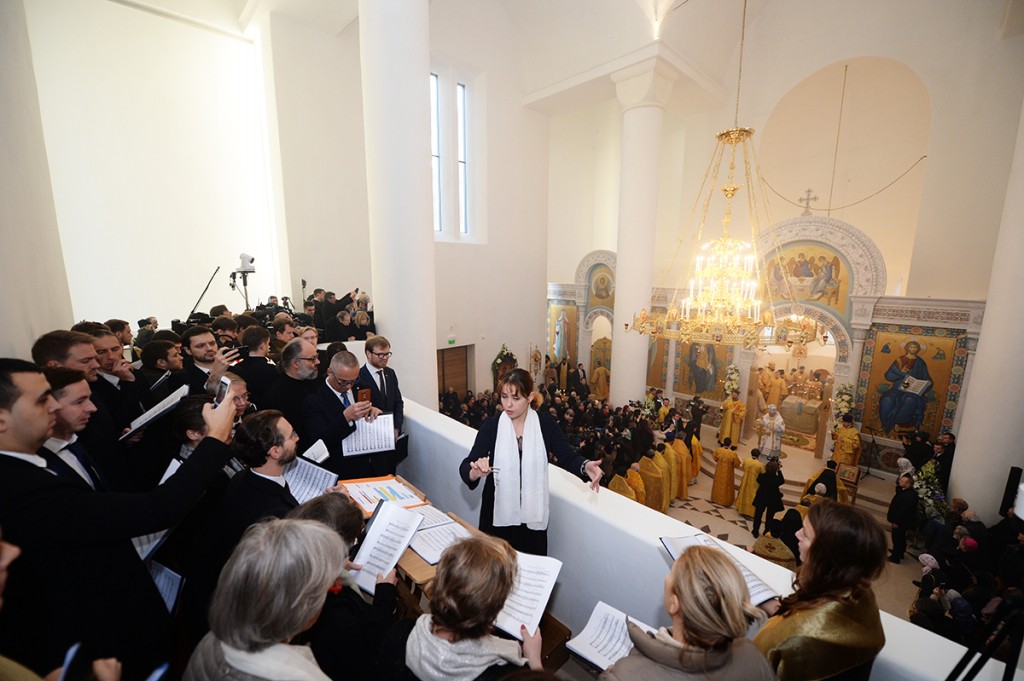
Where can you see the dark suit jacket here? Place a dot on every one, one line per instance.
(393, 404)
(125, 402)
(259, 375)
(192, 376)
(324, 419)
(287, 395)
(79, 578)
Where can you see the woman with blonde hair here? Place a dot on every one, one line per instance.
(829, 627)
(511, 453)
(455, 642)
(709, 604)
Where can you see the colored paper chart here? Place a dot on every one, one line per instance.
(369, 491)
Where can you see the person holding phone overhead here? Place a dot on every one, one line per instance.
(511, 454)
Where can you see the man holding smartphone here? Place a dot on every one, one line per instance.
(330, 413)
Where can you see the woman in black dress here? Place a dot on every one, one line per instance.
(511, 453)
(769, 496)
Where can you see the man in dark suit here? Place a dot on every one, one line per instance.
(299, 364)
(385, 393)
(266, 443)
(79, 577)
(65, 455)
(902, 514)
(208, 359)
(257, 370)
(161, 360)
(119, 387)
(330, 414)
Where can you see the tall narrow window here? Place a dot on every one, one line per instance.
(460, 103)
(435, 149)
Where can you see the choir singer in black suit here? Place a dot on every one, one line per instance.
(385, 393)
(330, 414)
(79, 578)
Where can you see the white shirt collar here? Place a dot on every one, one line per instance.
(111, 379)
(34, 459)
(279, 479)
(55, 444)
(347, 393)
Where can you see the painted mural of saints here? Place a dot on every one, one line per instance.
(704, 365)
(602, 287)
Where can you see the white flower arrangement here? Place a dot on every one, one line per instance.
(843, 403)
(732, 379)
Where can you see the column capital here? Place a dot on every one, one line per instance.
(646, 83)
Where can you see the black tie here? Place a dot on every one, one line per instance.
(383, 390)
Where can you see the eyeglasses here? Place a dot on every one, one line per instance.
(381, 355)
(309, 359)
(244, 397)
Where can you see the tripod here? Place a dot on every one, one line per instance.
(872, 451)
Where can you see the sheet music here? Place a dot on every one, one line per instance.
(387, 537)
(370, 436)
(164, 406)
(605, 640)
(431, 542)
(168, 583)
(317, 452)
(307, 480)
(147, 544)
(525, 605)
(759, 591)
(367, 493)
(431, 516)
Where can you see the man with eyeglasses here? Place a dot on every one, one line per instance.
(385, 393)
(298, 366)
(330, 414)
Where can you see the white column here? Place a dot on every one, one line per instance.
(989, 440)
(394, 53)
(642, 90)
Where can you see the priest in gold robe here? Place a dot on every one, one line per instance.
(599, 382)
(847, 441)
(752, 467)
(723, 490)
(733, 413)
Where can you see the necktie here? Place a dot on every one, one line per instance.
(383, 390)
(344, 400)
(83, 457)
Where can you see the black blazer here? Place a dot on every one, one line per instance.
(79, 578)
(555, 442)
(323, 419)
(259, 375)
(394, 403)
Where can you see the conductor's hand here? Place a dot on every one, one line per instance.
(594, 472)
(479, 468)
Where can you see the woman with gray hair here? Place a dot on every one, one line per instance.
(271, 590)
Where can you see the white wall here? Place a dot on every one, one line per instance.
(317, 96)
(32, 273)
(154, 140)
(495, 292)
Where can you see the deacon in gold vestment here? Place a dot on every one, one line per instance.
(733, 413)
(752, 467)
(777, 390)
(723, 491)
(599, 382)
(847, 441)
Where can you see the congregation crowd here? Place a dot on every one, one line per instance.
(81, 490)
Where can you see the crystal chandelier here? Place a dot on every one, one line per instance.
(724, 297)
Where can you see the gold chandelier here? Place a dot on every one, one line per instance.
(723, 297)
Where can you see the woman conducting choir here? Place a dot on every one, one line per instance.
(511, 454)
(709, 604)
(830, 624)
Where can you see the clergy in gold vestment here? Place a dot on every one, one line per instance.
(599, 383)
(733, 413)
(847, 441)
(777, 389)
(764, 381)
(752, 468)
(723, 491)
(685, 465)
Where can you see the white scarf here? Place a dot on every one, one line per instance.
(520, 485)
(279, 661)
(432, 658)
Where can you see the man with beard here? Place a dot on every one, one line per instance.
(299, 370)
(208, 360)
(265, 442)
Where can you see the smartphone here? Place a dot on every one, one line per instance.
(243, 351)
(222, 390)
(363, 395)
